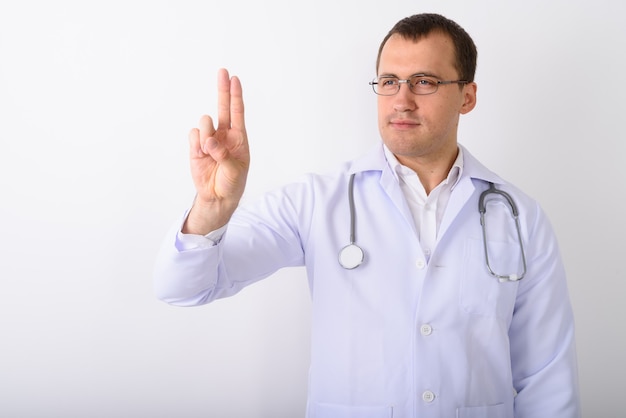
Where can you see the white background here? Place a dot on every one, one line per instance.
(96, 99)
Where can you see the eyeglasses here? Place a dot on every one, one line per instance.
(419, 84)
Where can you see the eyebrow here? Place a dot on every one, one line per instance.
(412, 75)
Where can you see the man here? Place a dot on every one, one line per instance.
(431, 318)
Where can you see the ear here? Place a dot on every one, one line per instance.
(469, 98)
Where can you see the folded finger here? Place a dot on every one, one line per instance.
(205, 127)
(195, 150)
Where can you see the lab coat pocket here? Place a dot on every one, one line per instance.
(480, 292)
(490, 411)
(324, 410)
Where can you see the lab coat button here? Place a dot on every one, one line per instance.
(420, 264)
(428, 396)
(426, 330)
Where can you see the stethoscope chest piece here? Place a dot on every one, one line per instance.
(351, 256)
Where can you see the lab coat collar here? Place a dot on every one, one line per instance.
(474, 169)
(374, 160)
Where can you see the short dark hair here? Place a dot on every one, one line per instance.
(420, 25)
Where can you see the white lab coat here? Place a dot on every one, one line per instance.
(403, 336)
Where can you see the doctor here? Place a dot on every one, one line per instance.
(420, 327)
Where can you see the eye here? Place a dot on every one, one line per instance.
(387, 81)
(422, 81)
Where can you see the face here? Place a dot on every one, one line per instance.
(422, 129)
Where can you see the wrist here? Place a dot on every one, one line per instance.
(204, 218)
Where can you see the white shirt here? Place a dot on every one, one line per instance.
(405, 334)
(427, 209)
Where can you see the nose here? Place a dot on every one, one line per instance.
(405, 99)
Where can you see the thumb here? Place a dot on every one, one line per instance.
(211, 146)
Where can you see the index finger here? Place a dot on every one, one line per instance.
(223, 99)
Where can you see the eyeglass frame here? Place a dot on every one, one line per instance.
(375, 82)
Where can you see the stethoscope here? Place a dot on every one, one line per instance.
(351, 256)
(482, 208)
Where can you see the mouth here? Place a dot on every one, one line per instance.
(403, 123)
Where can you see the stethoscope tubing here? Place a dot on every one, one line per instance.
(352, 209)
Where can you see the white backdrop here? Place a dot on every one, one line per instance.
(96, 99)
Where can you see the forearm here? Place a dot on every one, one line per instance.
(260, 239)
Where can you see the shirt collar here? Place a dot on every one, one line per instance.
(375, 160)
(399, 170)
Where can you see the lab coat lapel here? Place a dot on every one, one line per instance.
(458, 199)
(390, 185)
(375, 161)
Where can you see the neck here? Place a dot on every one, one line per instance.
(430, 171)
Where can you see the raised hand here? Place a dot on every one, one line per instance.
(219, 160)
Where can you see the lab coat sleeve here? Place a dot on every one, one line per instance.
(182, 273)
(541, 334)
(260, 239)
